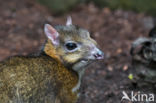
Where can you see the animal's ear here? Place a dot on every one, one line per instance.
(152, 32)
(69, 21)
(51, 34)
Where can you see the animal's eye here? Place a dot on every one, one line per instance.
(71, 46)
(148, 54)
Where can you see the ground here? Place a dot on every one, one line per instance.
(21, 32)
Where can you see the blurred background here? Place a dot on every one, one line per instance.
(114, 24)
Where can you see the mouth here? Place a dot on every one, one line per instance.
(85, 60)
(88, 60)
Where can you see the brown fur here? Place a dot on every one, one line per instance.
(20, 81)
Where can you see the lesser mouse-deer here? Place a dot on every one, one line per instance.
(54, 74)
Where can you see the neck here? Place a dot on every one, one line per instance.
(80, 68)
(50, 50)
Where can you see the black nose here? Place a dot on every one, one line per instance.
(99, 55)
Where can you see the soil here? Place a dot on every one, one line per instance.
(21, 33)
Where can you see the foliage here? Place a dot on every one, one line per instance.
(58, 6)
(147, 6)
